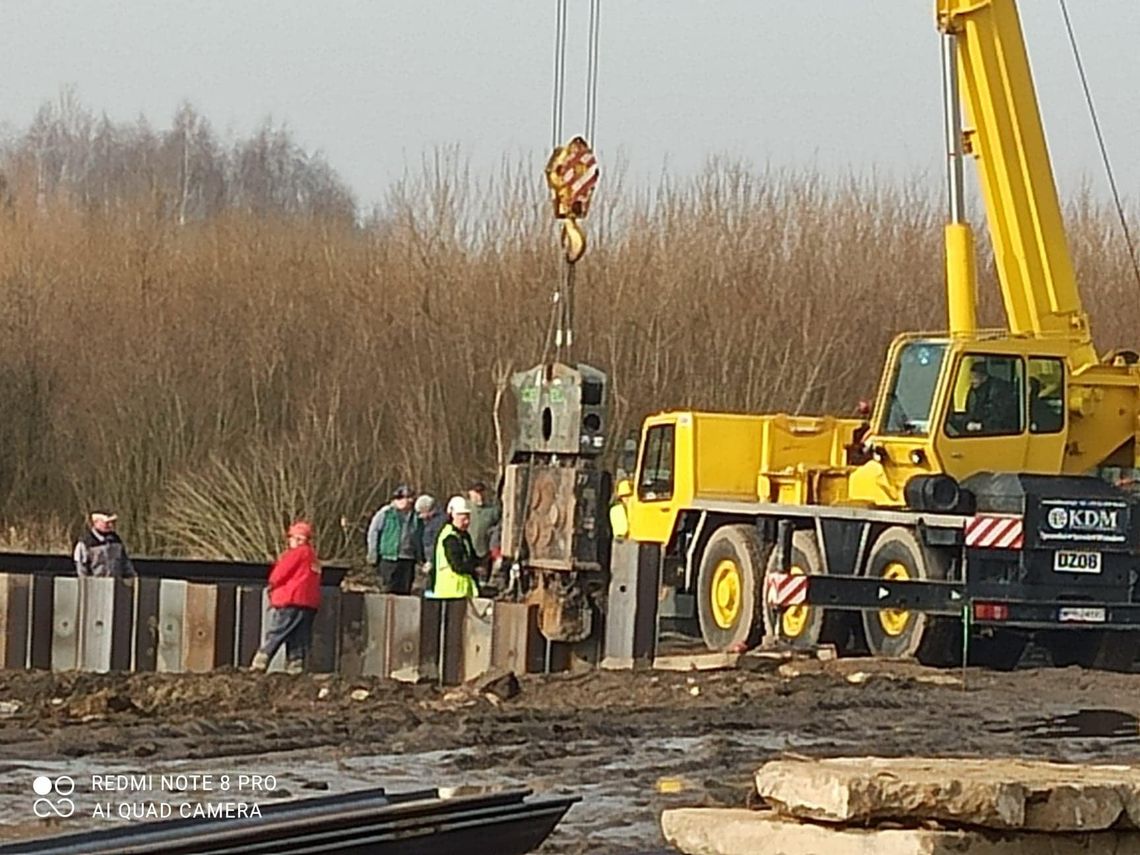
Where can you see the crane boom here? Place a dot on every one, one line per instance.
(1034, 267)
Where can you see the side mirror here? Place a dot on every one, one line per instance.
(624, 488)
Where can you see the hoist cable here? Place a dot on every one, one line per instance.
(592, 72)
(1100, 141)
(559, 72)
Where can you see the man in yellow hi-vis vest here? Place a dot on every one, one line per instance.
(453, 573)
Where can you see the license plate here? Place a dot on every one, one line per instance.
(1076, 561)
(1070, 614)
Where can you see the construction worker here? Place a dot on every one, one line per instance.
(294, 597)
(619, 519)
(486, 514)
(101, 552)
(453, 571)
(430, 519)
(392, 543)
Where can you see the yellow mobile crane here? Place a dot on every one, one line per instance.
(980, 502)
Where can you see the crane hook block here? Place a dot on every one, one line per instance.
(572, 173)
(573, 240)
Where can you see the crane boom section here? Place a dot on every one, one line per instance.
(1034, 267)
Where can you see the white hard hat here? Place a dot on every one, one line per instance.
(458, 505)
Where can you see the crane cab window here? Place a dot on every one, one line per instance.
(655, 481)
(1046, 395)
(988, 395)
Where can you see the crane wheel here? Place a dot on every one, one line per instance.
(898, 633)
(728, 587)
(804, 627)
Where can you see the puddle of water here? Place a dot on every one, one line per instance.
(620, 805)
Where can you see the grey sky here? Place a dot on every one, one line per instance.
(836, 83)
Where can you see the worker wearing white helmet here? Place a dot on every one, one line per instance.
(453, 571)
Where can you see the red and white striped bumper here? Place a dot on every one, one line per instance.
(995, 531)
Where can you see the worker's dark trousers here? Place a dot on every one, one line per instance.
(396, 576)
(291, 626)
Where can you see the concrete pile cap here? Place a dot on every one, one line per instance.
(737, 831)
(989, 793)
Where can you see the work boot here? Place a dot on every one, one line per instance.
(260, 662)
(295, 666)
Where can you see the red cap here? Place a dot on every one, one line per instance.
(300, 529)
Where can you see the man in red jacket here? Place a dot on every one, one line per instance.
(294, 595)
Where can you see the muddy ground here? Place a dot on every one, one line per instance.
(630, 743)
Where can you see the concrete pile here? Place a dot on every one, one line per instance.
(915, 806)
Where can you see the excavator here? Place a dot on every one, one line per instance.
(972, 510)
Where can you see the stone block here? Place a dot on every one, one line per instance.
(991, 793)
(736, 831)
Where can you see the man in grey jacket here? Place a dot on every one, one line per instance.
(101, 552)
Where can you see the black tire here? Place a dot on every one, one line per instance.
(740, 545)
(930, 639)
(815, 625)
(1101, 649)
(1001, 651)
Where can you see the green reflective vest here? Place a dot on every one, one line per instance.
(450, 585)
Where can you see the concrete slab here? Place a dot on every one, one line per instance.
(478, 631)
(737, 831)
(14, 620)
(65, 624)
(97, 606)
(516, 643)
(171, 613)
(991, 793)
(225, 625)
(374, 659)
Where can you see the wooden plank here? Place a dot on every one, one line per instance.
(199, 628)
